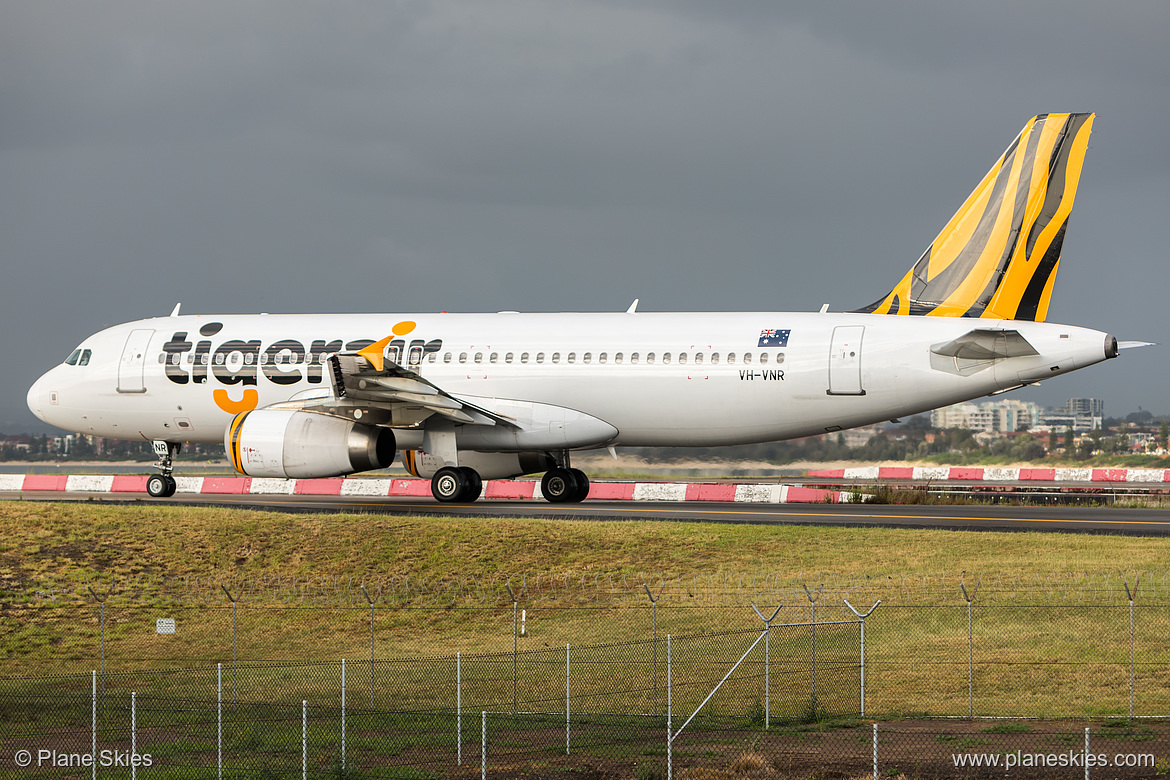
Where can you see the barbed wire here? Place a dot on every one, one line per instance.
(590, 588)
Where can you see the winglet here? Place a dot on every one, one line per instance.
(375, 353)
(633, 307)
(175, 311)
(998, 256)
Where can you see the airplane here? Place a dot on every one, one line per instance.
(469, 397)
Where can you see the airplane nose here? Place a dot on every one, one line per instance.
(38, 399)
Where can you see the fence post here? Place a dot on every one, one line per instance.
(102, 607)
(567, 677)
(813, 600)
(1086, 753)
(304, 740)
(483, 747)
(343, 714)
(219, 719)
(654, 610)
(231, 598)
(767, 663)
(970, 597)
(514, 630)
(875, 752)
(371, 603)
(133, 735)
(863, 617)
(93, 724)
(669, 739)
(1131, 595)
(458, 709)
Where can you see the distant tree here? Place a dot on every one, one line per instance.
(1070, 439)
(1162, 435)
(1053, 441)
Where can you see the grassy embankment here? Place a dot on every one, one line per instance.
(1031, 658)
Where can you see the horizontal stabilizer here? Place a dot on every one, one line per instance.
(986, 345)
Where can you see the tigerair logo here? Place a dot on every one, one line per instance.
(242, 364)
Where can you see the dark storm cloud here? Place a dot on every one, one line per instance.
(553, 156)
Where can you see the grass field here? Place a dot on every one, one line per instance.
(1046, 653)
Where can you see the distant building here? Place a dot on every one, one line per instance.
(1080, 414)
(1003, 416)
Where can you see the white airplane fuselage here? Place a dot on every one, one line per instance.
(655, 379)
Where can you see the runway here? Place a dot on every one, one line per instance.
(1066, 519)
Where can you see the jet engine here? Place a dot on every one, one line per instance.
(305, 445)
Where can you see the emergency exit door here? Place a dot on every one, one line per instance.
(845, 360)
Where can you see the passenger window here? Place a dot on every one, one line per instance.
(698, 357)
(495, 357)
(523, 357)
(433, 357)
(634, 357)
(747, 357)
(248, 359)
(508, 358)
(682, 357)
(162, 359)
(617, 358)
(219, 359)
(665, 357)
(84, 361)
(572, 358)
(730, 357)
(447, 357)
(74, 356)
(779, 357)
(714, 357)
(601, 358)
(586, 357)
(478, 357)
(462, 357)
(763, 358)
(556, 357)
(649, 357)
(539, 357)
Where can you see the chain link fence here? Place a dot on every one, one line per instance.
(648, 679)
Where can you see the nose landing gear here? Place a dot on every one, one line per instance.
(163, 485)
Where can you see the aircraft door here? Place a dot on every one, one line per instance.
(132, 366)
(845, 360)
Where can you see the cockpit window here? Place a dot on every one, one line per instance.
(84, 359)
(73, 358)
(79, 357)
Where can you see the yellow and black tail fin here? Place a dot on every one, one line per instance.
(998, 256)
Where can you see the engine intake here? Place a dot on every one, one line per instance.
(304, 445)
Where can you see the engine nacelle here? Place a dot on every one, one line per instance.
(304, 445)
(489, 465)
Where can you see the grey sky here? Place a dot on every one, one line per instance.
(296, 157)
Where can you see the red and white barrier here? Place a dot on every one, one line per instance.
(993, 474)
(391, 488)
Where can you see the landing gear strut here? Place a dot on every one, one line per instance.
(456, 484)
(163, 485)
(565, 485)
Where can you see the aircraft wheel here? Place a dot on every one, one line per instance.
(160, 486)
(559, 485)
(474, 484)
(449, 484)
(582, 485)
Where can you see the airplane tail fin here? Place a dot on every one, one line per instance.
(998, 256)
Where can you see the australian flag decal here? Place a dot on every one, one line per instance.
(770, 337)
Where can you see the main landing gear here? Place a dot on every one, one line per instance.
(460, 484)
(456, 484)
(163, 485)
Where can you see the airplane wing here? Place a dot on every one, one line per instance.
(369, 379)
